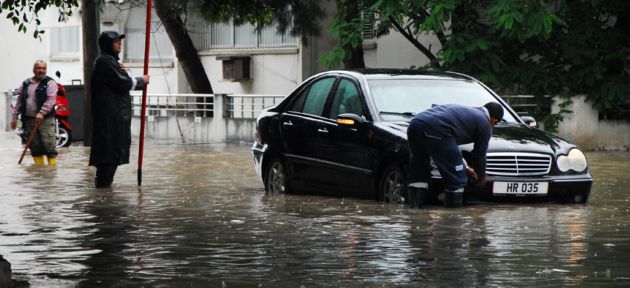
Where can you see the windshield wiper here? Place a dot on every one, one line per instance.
(408, 114)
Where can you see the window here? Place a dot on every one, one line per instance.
(227, 35)
(297, 103)
(65, 41)
(368, 31)
(316, 97)
(160, 46)
(346, 100)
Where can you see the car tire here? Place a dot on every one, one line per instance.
(392, 185)
(64, 137)
(276, 178)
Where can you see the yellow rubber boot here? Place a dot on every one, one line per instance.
(52, 161)
(39, 160)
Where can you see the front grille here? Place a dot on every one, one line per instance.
(518, 164)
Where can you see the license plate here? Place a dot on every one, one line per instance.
(520, 188)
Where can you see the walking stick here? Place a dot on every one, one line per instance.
(147, 43)
(29, 141)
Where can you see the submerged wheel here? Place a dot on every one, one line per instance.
(392, 187)
(64, 137)
(276, 178)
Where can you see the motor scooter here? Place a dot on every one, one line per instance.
(63, 129)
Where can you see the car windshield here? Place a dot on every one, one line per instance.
(400, 99)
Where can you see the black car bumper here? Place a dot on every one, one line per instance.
(560, 189)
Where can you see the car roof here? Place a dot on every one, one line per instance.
(385, 73)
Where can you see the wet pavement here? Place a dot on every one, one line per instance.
(202, 219)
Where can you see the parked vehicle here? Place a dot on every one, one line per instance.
(62, 113)
(345, 132)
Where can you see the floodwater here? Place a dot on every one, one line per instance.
(202, 219)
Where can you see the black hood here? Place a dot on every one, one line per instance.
(106, 42)
(506, 137)
(520, 137)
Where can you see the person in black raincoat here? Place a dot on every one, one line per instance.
(111, 109)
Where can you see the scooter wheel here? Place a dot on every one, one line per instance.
(64, 138)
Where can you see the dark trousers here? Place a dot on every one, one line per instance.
(426, 143)
(105, 175)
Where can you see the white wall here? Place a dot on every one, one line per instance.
(276, 74)
(583, 127)
(18, 54)
(394, 51)
(22, 50)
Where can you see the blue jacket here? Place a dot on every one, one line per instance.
(465, 124)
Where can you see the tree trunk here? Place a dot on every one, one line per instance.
(354, 60)
(184, 48)
(89, 18)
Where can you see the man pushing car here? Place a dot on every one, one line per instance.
(436, 134)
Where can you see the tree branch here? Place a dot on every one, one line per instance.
(440, 34)
(414, 41)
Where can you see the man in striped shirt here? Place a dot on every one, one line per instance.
(36, 103)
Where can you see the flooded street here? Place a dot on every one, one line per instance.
(202, 219)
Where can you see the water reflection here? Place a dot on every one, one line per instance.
(110, 235)
(203, 219)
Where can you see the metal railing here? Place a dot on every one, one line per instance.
(243, 106)
(165, 105)
(522, 104)
(249, 105)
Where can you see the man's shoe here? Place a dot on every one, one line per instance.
(416, 196)
(454, 199)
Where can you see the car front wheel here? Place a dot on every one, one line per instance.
(276, 179)
(392, 186)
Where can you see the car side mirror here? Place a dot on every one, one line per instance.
(530, 121)
(349, 119)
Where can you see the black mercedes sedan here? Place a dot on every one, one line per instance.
(344, 133)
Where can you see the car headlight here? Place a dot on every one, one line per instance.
(575, 161)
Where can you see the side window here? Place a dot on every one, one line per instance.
(298, 102)
(346, 100)
(316, 96)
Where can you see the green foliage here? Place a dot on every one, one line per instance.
(532, 47)
(23, 13)
(302, 16)
(349, 34)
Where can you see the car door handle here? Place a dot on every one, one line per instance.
(287, 123)
(322, 130)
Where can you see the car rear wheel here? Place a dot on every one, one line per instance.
(276, 179)
(392, 186)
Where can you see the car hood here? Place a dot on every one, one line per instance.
(522, 138)
(506, 137)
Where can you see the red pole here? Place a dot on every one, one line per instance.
(147, 42)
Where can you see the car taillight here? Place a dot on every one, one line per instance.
(257, 135)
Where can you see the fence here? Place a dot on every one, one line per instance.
(249, 106)
(522, 104)
(237, 106)
(201, 118)
(525, 105)
(165, 105)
